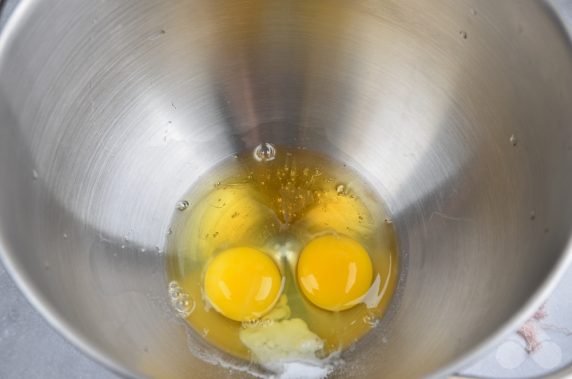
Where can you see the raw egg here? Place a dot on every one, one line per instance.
(242, 283)
(334, 272)
(283, 255)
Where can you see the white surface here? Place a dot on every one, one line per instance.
(510, 359)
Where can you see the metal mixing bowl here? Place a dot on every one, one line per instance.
(457, 111)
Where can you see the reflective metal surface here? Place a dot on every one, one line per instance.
(457, 111)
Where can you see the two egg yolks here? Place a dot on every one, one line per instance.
(243, 283)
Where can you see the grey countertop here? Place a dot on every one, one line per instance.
(30, 348)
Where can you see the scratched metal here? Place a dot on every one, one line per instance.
(457, 111)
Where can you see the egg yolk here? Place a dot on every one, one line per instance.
(242, 283)
(334, 273)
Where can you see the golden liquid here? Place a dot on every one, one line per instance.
(278, 201)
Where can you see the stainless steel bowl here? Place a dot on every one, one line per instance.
(458, 111)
